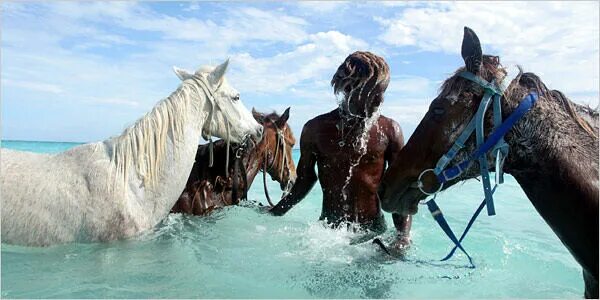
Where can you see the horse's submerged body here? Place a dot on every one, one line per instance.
(553, 153)
(209, 187)
(73, 198)
(126, 184)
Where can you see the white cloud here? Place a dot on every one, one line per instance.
(193, 6)
(405, 113)
(557, 40)
(240, 25)
(410, 85)
(322, 6)
(112, 100)
(311, 61)
(33, 86)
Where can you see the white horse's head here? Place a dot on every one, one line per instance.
(228, 111)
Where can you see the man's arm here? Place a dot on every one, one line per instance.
(306, 175)
(396, 142)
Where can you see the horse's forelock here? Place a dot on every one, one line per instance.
(491, 70)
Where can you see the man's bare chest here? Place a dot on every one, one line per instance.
(349, 145)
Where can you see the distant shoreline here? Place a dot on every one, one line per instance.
(55, 142)
(29, 141)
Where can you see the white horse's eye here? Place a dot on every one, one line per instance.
(236, 97)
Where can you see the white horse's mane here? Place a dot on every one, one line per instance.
(142, 145)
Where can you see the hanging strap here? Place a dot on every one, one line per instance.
(471, 221)
(436, 213)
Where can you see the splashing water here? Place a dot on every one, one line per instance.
(360, 145)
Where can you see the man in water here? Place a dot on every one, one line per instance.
(351, 146)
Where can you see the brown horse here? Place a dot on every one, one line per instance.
(553, 153)
(209, 188)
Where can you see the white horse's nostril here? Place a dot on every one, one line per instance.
(259, 133)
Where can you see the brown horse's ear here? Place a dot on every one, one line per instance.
(471, 51)
(284, 118)
(257, 116)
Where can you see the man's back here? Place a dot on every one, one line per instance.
(351, 159)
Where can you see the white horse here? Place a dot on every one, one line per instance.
(121, 186)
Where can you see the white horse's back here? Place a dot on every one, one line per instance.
(47, 199)
(127, 184)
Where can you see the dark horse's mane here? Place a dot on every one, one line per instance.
(524, 83)
(584, 116)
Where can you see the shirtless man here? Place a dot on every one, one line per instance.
(351, 147)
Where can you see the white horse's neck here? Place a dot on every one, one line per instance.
(154, 157)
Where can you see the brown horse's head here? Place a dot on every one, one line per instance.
(276, 147)
(448, 115)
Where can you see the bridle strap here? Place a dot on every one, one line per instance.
(239, 170)
(214, 104)
(492, 95)
(280, 142)
(265, 181)
(495, 144)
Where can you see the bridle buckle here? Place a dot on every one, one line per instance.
(420, 184)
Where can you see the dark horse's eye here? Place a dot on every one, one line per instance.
(438, 111)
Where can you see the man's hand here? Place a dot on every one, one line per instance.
(276, 211)
(263, 209)
(401, 244)
(397, 249)
(268, 209)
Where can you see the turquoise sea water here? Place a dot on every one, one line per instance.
(240, 253)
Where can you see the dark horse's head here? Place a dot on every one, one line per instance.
(276, 145)
(448, 115)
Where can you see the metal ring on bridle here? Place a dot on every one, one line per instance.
(420, 184)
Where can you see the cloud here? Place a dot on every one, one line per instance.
(322, 7)
(117, 101)
(239, 25)
(311, 61)
(33, 86)
(410, 86)
(557, 40)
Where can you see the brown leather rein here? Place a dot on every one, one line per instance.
(280, 142)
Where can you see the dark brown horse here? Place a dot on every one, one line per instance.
(209, 188)
(553, 153)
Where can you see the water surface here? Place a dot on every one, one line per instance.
(241, 253)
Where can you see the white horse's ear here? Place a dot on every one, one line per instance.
(217, 74)
(182, 74)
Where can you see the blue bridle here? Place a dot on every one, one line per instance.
(495, 145)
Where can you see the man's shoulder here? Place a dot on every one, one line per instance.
(320, 119)
(388, 121)
(392, 128)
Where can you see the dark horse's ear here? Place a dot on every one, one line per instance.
(471, 51)
(284, 118)
(257, 116)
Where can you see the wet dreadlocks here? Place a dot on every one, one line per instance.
(362, 79)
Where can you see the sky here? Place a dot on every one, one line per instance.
(84, 71)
